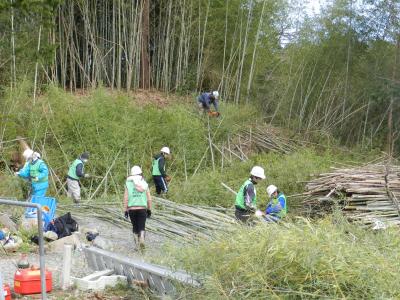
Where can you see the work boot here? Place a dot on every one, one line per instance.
(141, 240)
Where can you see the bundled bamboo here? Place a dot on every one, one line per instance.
(258, 139)
(169, 219)
(366, 194)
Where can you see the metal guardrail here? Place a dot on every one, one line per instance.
(158, 278)
(41, 241)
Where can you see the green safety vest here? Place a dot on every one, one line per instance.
(72, 169)
(135, 198)
(34, 171)
(240, 196)
(275, 201)
(156, 169)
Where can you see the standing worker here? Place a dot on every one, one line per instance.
(137, 203)
(276, 208)
(204, 102)
(36, 171)
(160, 176)
(75, 173)
(246, 198)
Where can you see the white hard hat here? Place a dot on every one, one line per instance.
(165, 150)
(215, 94)
(271, 189)
(258, 172)
(136, 170)
(27, 154)
(35, 155)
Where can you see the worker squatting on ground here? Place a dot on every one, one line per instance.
(276, 208)
(36, 171)
(246, 198)
(204, 102)
(137, 203)
(158, 172)
(75, 173)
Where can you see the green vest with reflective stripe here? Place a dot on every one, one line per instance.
(72, 169)
(34, 171)
(156, 169)
(240, 195)
(135, 198)
(282, 213)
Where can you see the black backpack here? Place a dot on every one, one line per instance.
(65, 225)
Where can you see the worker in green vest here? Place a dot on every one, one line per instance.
(246, 198)
(158, 171)
(75, 173)
(137, 204)
(276, 208)
(36, 171)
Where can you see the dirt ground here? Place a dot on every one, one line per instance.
(120, 238)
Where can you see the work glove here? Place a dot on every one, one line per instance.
(35, 179)
(126, 215)
(148, 213)
(258, 213)
(168, 178)
(16, 173)
(86, 175)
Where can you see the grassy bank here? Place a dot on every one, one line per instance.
(328, 259)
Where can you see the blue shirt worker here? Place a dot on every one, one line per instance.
(36, 171)
(276, 208)
(75, 173)
(205, 100)
(158, 172)
(246, 198)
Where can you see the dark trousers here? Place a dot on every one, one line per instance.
(138, 220)
(242, 215)
(161, 184)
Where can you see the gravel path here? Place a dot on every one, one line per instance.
(120, 238)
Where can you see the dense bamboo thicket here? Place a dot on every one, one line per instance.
(335, 73)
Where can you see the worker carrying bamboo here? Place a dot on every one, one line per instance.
(158, 172)
(276, 208)
(75, 173)
(137, 204)
(36, 171)
(246, 198)
(205, 100)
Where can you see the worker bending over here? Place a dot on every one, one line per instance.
(246, 198)
(75, 173)
(204, 102)
(160, 176)
(36, 171)
(137, 204)
(276, 208)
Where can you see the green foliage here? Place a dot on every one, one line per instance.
(113, 126)
(329, 259)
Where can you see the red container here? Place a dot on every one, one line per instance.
(7, 292)
(27, 281)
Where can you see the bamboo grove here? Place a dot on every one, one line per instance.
(332, 74)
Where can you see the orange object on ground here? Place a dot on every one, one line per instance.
(213, 114)
(7, 292)
(27, 281)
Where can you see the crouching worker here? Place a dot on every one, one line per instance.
(137, 204)
(204, 102)
(276, 208)
(36, 171)
(246, 198)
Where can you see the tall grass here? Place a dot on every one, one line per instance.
(112, 125)
(329, 259)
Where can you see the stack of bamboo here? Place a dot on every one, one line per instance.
(169, 219)
(366, 194)
(258, 139)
